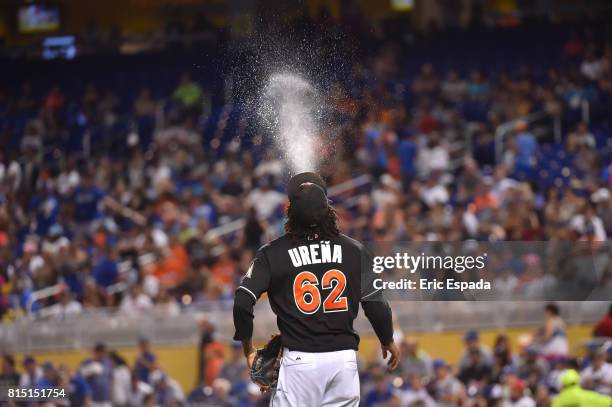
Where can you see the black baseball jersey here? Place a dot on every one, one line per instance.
(314, 288)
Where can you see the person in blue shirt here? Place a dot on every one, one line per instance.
(50, 376)
(105, 270)
(146, 361)
(47, 210)
(526, 147)
(98, 372)
(79, 391)
(407, 156)
(86, 199)
(381, 393)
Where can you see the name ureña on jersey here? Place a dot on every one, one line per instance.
(322, 252)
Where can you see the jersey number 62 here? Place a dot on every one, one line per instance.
(308, 297)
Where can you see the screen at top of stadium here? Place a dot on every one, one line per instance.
(36, 18)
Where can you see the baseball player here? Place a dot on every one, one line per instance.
(313, 277)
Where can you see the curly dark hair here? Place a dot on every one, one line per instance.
(326, 228)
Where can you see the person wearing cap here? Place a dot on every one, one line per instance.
(315, 278)
(575, 396)
(472, 343)
(448, 389)
(32, 374)
(50, 377)
(146, 361)
(166, 389)
(517, 396)
(98, 372)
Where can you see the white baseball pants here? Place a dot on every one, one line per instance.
(325, 379)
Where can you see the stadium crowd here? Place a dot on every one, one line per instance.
(129, 218)
(501, 376)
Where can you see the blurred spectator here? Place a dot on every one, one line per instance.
(166, 389)
(426, 83)
(592, 67)
(87, 198)
(122, 378)
(447, 389)
(9, 377)
(598, 376)
(66, 306)
(144, 105)
(454, 88)
(572, 394)
(32, 373)
(235, 364)
(79, 390)
(517, 397)
(414, 362)
(526, 147)
(477, 372)
(581, 138)
(588, 224)
(417, 393)
(188, 92)
(380, 393)
(471, 340)
(552, 337)
(145, 362)
(98, 372)
(136, 301)
(50, 377)
(434, 155)
(478, 87)
(604, 327)
(264, 199)
(138, 391)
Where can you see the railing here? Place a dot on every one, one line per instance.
(117, 329)
(42, 294)
(56, 289)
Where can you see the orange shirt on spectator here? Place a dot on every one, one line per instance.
(223, 270)
(173, 268)
(213, 361)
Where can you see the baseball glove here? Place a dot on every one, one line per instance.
(266, 364)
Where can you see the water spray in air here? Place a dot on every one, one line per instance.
(289, 110)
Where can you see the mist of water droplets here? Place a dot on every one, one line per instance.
(289, 109)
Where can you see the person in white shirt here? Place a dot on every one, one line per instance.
(434, 156)
(138, 391)
(135, 301)
(32, 374)
(592, 67)
(589, 225)
(121, 380)
(264, 199)
(67, 306)
(517, 396)
(415, 393)
(433, 192)
(598, 375)
(386, 193)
